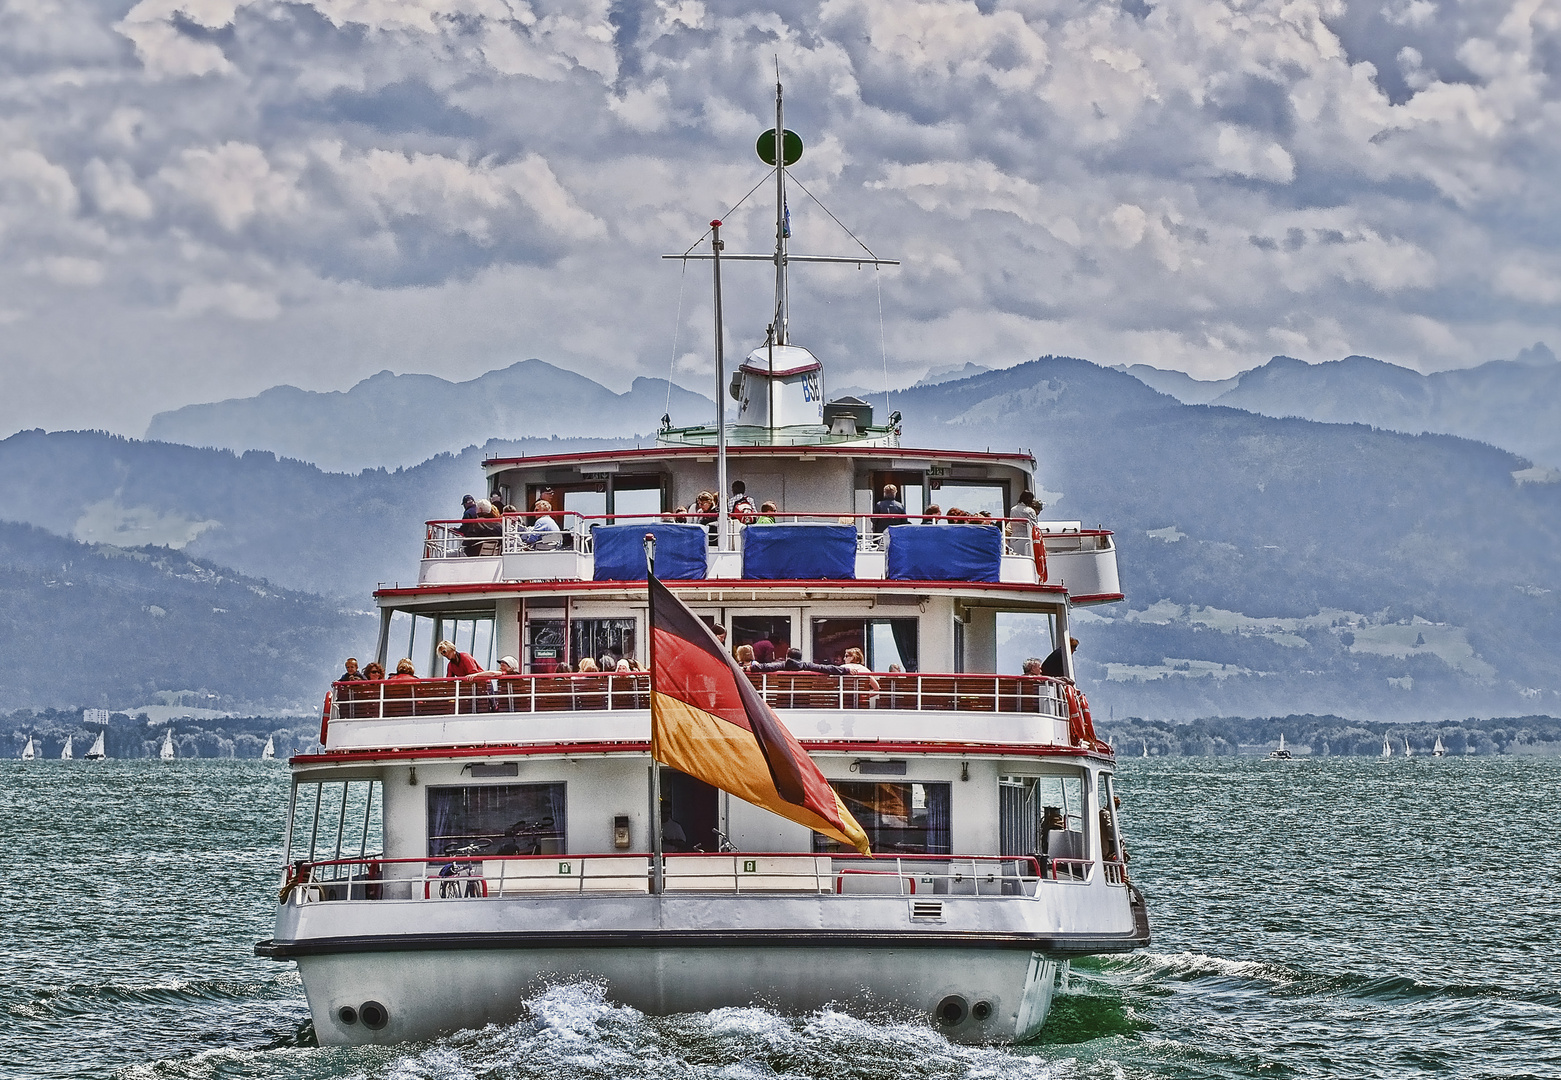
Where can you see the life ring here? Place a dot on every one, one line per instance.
(1081, 726)
(1038, 550)
(325, 718)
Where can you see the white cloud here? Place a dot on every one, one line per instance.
(68, 270)
(229, 298)
(234, 182)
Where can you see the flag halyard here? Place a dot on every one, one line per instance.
(708, 721)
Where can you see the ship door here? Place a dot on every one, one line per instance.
(691, 813)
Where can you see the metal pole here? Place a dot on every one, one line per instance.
(781, 315)
(769, 341)
(656, 868)
(720, 395)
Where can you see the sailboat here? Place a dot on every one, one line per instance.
(29, 751)
(66, 754)
(98, 752)
(1387, 747)
(1282, 754)
(1438, 750)
(269, 753)
(166, 753)
(1407, 751)
(1146, 749)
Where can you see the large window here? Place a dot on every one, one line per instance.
(884, 642)
(751, 629)
(899, 817)
(1043, 815)
(496, 819)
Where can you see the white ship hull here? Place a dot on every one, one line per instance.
(983, 970)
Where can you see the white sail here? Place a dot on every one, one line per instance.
(97, 753)
(1439, 750)
(166, 753)
(66, 754)
(29, 751)
(269, 753)
(1387, 747)
(1407, 751)
(1146, 748)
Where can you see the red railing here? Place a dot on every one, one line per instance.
(499, 695)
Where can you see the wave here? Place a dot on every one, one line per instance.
(1288, 980)
(76, 999)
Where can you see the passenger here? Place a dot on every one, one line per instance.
(930, 515)
(852, 662)
(488, 527)
(352, 674)
(624, 667)
(1030, 507)
(374, 671)
(767, 514)
(704, 514)
(461, 665)
(763, 651)
(896, 669)
(544, 534)
(565, 669)
(956, 516)
(469, 525)
(1108, 838)
(508, 665)
(1051, 821)
(508, 509)
(1032, 666)
(607, 662)
(404, 670)
(889, 504)
(588, 666)
(744, 656)
(720, 633)
(1056, 664)
(794, 662)
(741, 506)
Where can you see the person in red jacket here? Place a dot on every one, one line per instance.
(461, 665)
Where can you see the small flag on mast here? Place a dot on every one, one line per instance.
(708, 721)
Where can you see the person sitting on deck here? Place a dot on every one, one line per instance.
(794, 662)
(852, 662)
(929, 516)
(374, 671)
(352, 674)
(889, 504)
(744, 656)
(404, 670)
(544, 534)
(704, 514)
(1056, 664)
(763, 651)
(588, 666)
(1032, 666)
(767, 514)
(741, 506)
(461, 665)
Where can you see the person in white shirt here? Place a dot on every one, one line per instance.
(544, 534)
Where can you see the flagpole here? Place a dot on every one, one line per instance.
(656, 870)
(720, 395)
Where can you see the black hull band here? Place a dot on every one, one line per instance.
(1053, 946)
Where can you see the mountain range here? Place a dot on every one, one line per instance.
(1272, 565)
(1513, 404)
(390, 421)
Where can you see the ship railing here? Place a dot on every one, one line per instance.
(509, 694)
(516, 534)
(485, 876)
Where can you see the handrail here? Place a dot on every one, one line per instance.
(471, 876)
(455, 537)
(493, 695)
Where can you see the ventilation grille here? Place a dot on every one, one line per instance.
(926, 909)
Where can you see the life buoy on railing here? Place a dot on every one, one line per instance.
(325, 718)
(1081, 726)
(1038, 550)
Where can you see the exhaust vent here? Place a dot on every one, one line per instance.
(926, 909)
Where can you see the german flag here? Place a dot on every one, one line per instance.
(707, 720)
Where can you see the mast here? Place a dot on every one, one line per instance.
(720, 395)
(782, 316)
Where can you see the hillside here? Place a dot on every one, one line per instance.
(106, 626)
(1513, 404)
(1271, 566)
(391, 421)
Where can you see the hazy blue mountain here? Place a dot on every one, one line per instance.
(1513, 404)
(1180, 385)
(1271, 565)
(389, 420)
(106, 626)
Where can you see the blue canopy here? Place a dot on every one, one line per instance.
(944, 552)
(620, 552)
(800, 552)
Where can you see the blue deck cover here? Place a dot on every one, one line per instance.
(801, 552)
(620, 552)
(944, 552)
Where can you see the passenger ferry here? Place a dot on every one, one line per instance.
(455, 845)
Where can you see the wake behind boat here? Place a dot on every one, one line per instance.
(818, 660)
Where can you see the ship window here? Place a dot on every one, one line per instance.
(776, 629)
(899, 817)
(882, 641)
(639, 496)
(602, 638)
(972, 497)
(496, 819)
(1030, 809)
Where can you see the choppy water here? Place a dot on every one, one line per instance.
(1339, 918)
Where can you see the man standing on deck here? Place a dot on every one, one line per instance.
(889, 504)
(1056, 665)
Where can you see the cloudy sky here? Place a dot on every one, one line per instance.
(203, 198)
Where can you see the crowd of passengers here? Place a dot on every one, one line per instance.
(482, 520)
(761, 657)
